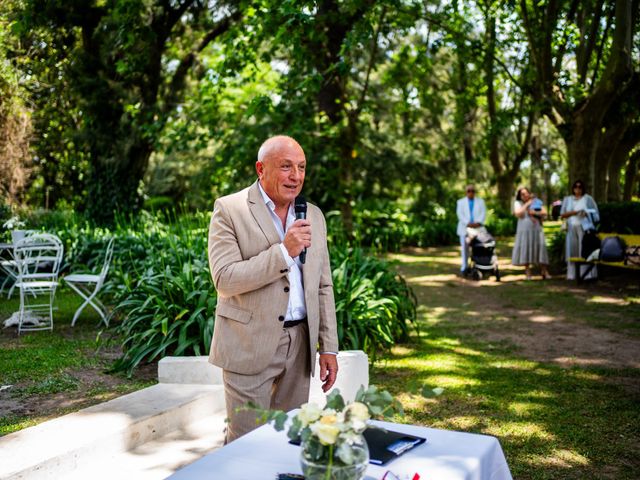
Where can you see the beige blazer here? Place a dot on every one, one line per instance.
(250, 275)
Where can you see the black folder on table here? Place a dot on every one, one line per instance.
(385, 445)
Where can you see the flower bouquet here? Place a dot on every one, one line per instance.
(332, 445)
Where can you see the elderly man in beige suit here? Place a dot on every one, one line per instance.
(274, 312)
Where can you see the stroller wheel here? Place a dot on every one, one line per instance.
(477, 274)
(497, 275)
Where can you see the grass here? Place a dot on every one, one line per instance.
(57, 372)
(555, 419)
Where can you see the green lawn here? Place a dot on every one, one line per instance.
(52, 373)
(571, 418)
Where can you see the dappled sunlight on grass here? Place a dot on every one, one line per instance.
(559, 457)
(435, 312)
(607, 300)
(492, 347)
(512, 364)
(521, 409)
(451, 381)
(521, 430)
(467, 351)
(586, 375)
(431, 280)
(402, 351)
(542, 318)
(463, 422)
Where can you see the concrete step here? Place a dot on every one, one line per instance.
(99, 434)
(148, 434)
(159, 458)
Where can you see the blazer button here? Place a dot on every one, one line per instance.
(281, 318)
(286, 289)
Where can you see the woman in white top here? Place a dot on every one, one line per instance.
(529, 247)
(580, 210)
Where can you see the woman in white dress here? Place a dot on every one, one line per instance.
(580, 210)
(529, 247)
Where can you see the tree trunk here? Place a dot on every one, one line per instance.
(631, 176)
(582, 144)
(536, 165)
(348, 155)
(580, 123)
(114, 186)
(607, 146)
(506, 188)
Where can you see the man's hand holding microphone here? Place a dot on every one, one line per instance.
(298, 237)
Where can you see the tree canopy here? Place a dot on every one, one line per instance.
(124, 101)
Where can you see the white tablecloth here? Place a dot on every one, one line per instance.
(446, 455)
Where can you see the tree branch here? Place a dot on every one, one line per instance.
(372, 58)
(176, 85)
(583, 64)
(603, 41)
(563, 45)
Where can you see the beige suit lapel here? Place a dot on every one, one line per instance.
(310, 263)
(261, 214)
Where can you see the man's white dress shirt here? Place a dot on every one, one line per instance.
(297, 308)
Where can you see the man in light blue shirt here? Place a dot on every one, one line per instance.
(472, 213)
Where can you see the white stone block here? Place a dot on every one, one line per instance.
(191, 370)
(353, 371)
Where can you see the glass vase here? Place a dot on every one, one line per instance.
(332, 465)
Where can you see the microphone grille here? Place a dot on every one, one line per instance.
(300, 204)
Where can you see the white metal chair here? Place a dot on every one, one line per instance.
(8, 262)
(38, 258)
(88, 286)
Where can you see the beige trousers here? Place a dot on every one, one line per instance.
(282, 385)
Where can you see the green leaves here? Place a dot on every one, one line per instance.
(335, 400)
(380, 402)
(374, 307)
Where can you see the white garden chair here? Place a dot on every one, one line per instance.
(8, 262)
(38, 258)
(88, 285)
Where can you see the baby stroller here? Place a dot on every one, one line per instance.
(484, 261)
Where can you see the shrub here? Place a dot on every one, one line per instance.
(501, 223)
(169, 310)
(165, 301)
(390, 231)
(556, 250)
(375, 307)
(620, 217)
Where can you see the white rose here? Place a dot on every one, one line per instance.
(309, 412)
(357, 411)
(329, 419)
(326, 433)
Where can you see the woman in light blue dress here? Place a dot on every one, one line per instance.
(581, 212)
(529, 247)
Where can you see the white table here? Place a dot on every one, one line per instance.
(446, 455)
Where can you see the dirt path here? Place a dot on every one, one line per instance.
(552, 321)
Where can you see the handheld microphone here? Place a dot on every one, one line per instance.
(300, 207)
